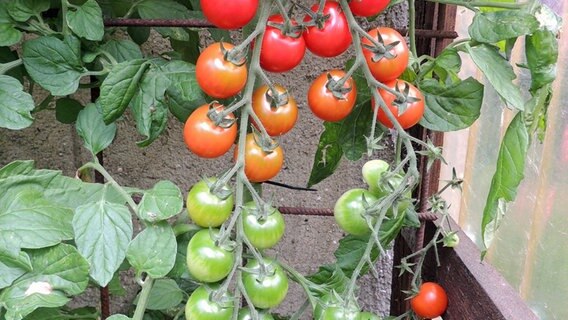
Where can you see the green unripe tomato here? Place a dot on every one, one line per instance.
(245, 314)
(200, 307)
(206, 261)
(349, 210)
(262, 233)
(367, 316)
(268, 291)
(205, 208)
(372, 172)
(339, 313)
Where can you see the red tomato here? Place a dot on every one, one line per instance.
(204, 138)
(414, 110)
(277, 120)
(368, 8)
(324, 104)
(259, 165)
(217, 76)
(431, 301)
(334, 38)
(280, 52)
(232, 14)
(386, 69)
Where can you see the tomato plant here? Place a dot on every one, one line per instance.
(330, 36)
(204, 137)
(329, 103)
(283, 47)
(217, 75)
(431, 301)
(207, 209)
(407, 109)
(368, 8)
(261, 165)
(265, 288)
(229, 14)
(263, 229)
(206, 260)
(200, 306)
(277, 113)
(390, 64)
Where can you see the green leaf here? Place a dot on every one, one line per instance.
(165, 9)
(161, 202)
(96, 135)
(328, 154)
(32, 220)
(507, 177)
(332, 277)
(183, 95)
(499, 73)
(492, 27)
(139, 34)
(86, 313)
(179, 269)
(188, 50)
(451, 108)
(11, 268)
(15, 104)
(115, 287)
(23, 10)
(119, 87)
(165, 294)
(541, 49)
(59, 272)
(67, 110)
(122, 50)
(7, 55)
(86, 21)
(153, 251)
(54, 64)
(118, 317)
(354, 128)
(9, 35)
(445, 67)
(102, 232)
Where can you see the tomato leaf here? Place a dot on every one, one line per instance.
(96, 135)
(49, 284)
(86, 20)
(9, 35)
(498, 72)
(541, 49)
(188, 50)
(492, 27)
(354, 128)
(15, 104)
(122, 50)
(139, 34)
(445, 67)
(165, 9)
(161, 202)
(115, 287)
(23, 10)
(86, 313)
(451, 108)
(165, 294)
(54, 64)
(507, 177)
(96, 224)
(332, 277)
(153, 250)
(67, 110)
(328, 154)
(11, 268)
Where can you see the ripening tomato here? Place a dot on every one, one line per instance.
(232, 14)
(276, 119)
(334, 38)
(390, 67)
(368, 8)
(324, 104)
(267, 291)
(414, 105)
(206, 261)
(281, 52)
(200, 306)
(431, 301)
(349, 210)
(259, 164)
(262, 232)
(216, 75)
(206, 139)
(205, 208)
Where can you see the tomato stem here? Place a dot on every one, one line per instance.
(473, 5)
(144, 296)
(5, 67)
(283, 12)
(412, 26)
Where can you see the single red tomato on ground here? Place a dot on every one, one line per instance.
(216, 75)
(389, 65)
(329, 106)
(334, 37)
(203, 137)
(261, 165)
(282, 49)
(232, 14)
(413, 105)
(278, 114)
(368, 8)
(431, 301)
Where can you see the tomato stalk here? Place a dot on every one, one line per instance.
(143, 300)
(473, 5)
(5, 67)
(412, 26)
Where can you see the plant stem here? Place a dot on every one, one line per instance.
(5, 67)
(143, 301)
(412, 26)
(474, 4)
(184, 228)
(65, 26)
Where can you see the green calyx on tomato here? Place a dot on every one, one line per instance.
(208, 261)
(207, 207)
(202, 306)
(350, 211)
(263, 226)
(265, 283)
(431, 300)
(246, 314)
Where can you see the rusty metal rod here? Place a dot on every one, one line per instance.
(202, 23)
